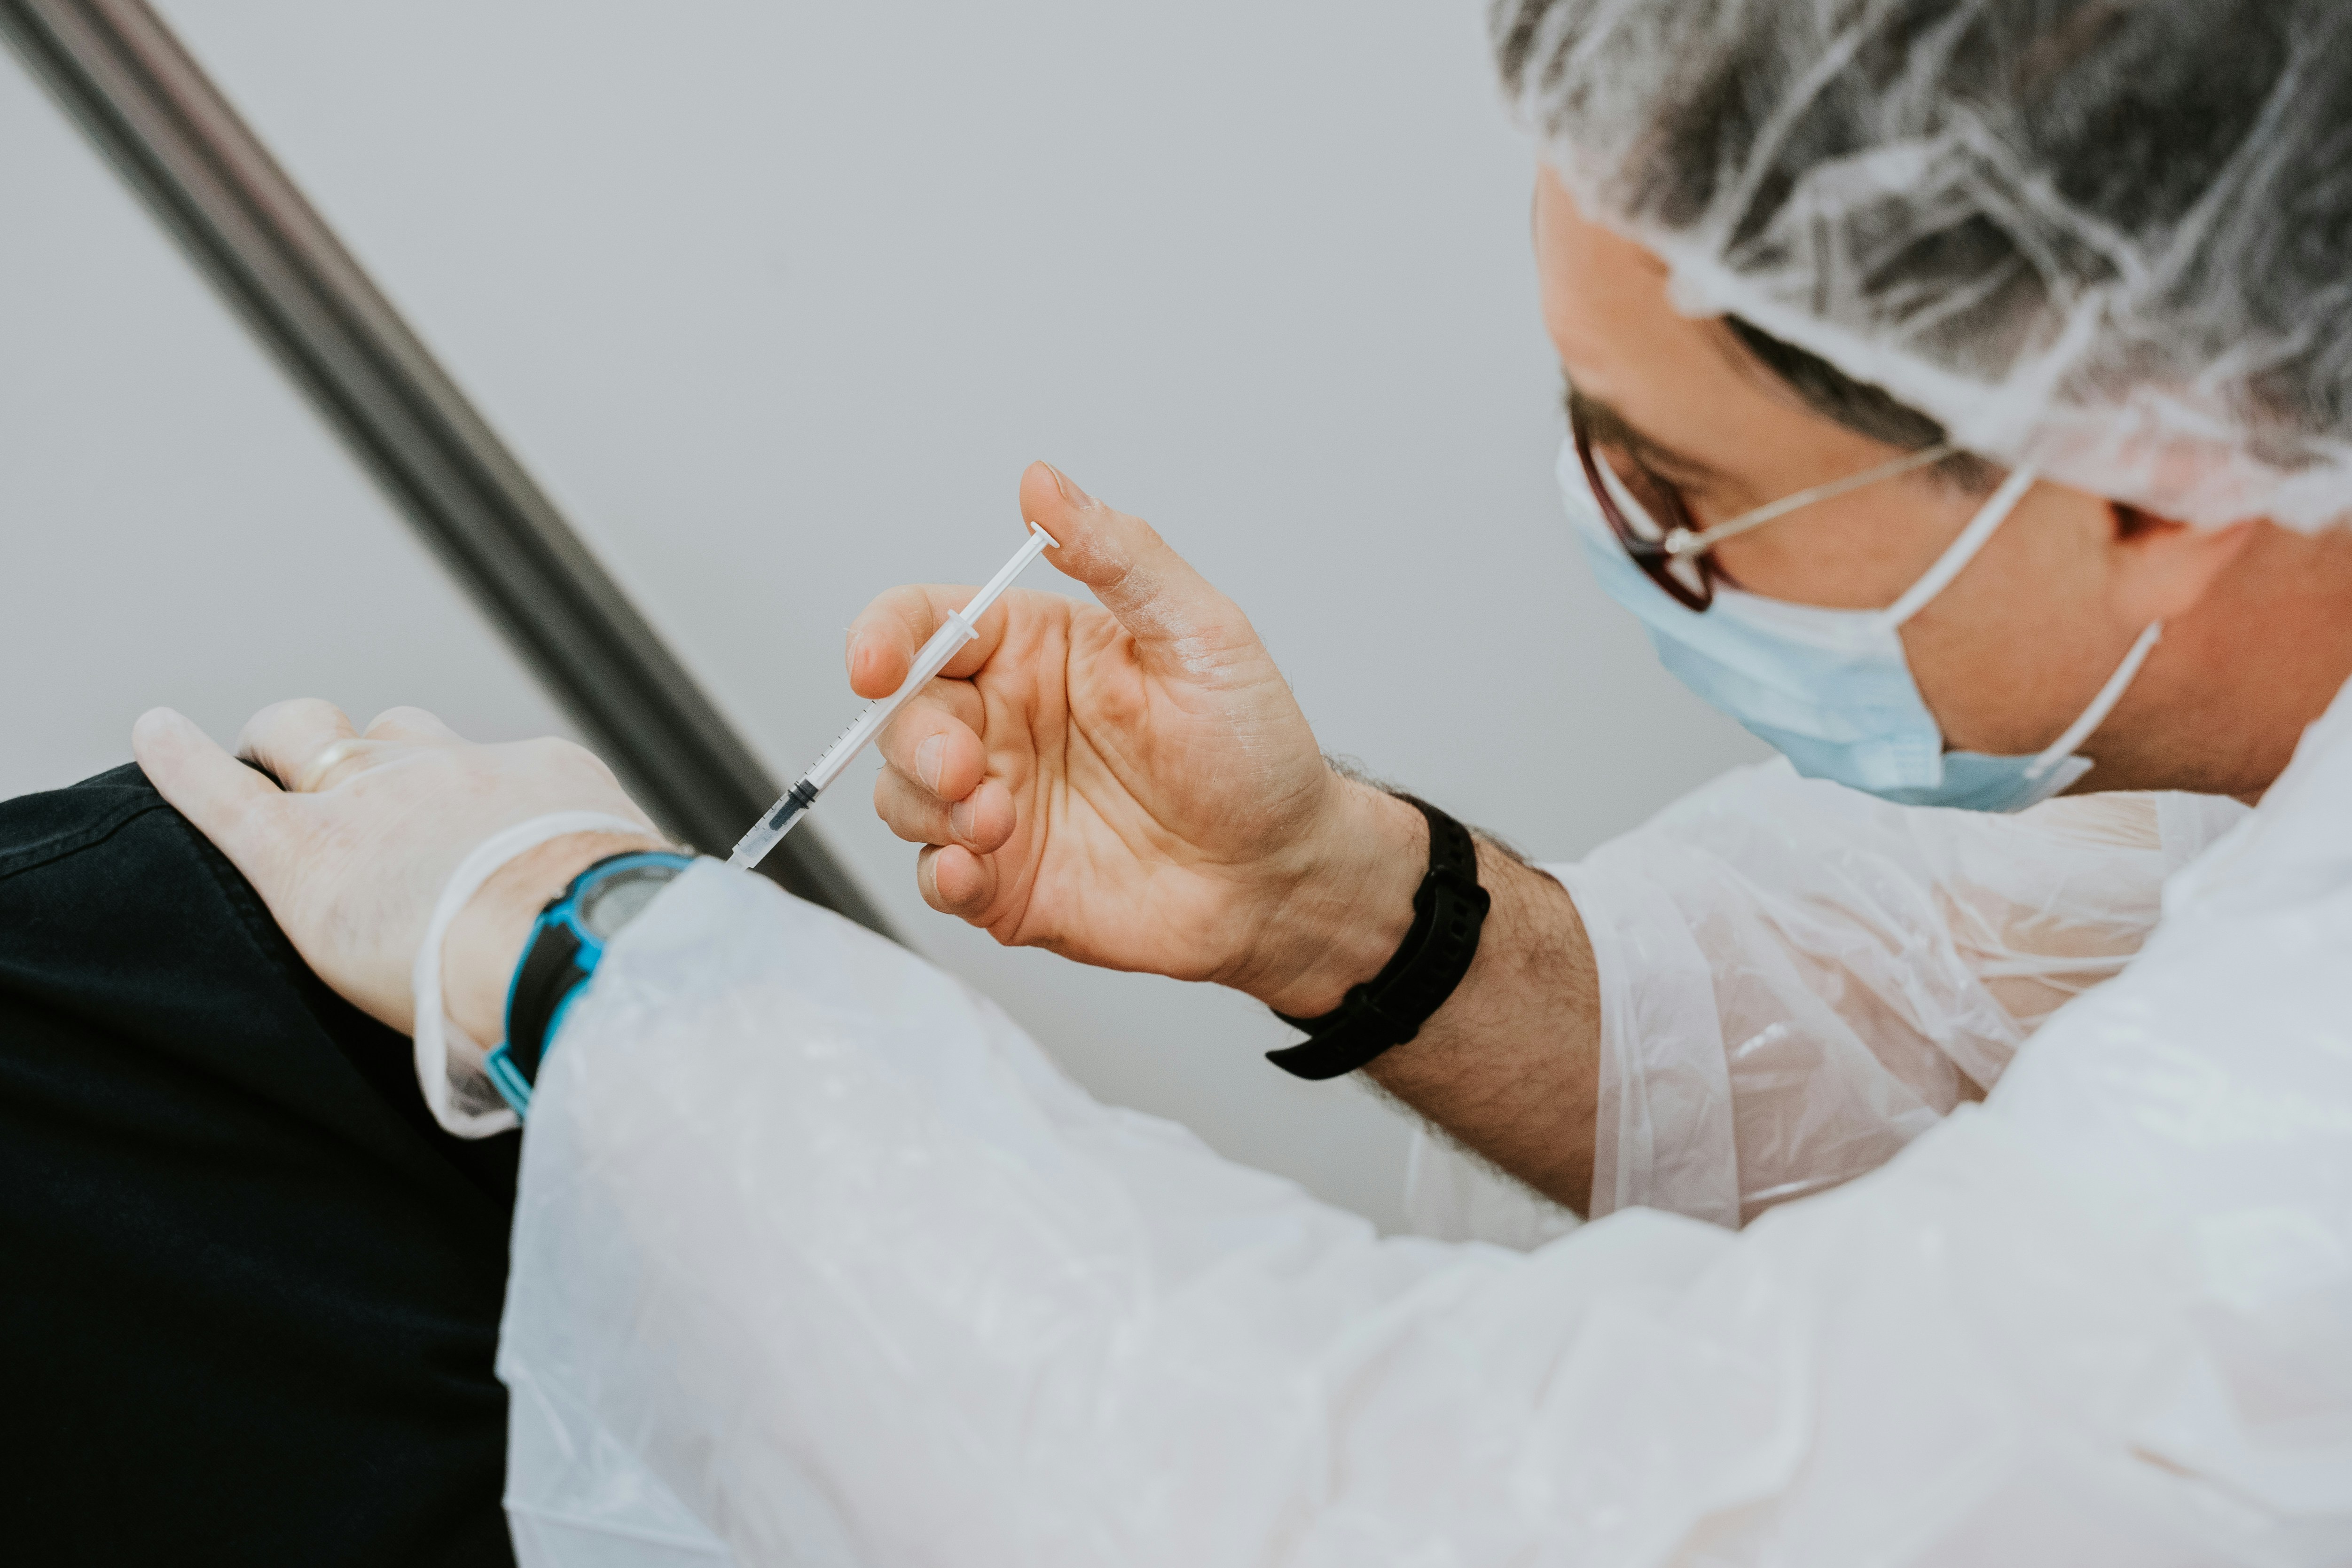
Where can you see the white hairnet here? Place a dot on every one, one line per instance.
(2109, 238)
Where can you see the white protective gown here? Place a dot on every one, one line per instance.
(817, 1259)
(1797, 979)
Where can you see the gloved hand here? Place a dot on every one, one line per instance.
(352, 851)
(1133, 786)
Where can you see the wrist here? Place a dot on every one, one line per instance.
(1340, 916)
(486, 941)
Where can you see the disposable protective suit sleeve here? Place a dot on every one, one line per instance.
(818, 1260)
(1797, 979)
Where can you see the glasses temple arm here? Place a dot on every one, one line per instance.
(1682, 542)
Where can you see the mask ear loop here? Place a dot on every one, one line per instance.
(2101, 706)
(1948, 565)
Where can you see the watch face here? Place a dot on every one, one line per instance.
(620, 898)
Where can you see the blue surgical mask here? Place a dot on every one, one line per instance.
(1830, 689)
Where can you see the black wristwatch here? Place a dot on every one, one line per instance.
(1448, 911)
(565, 945)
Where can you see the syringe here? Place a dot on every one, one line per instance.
(953, 633)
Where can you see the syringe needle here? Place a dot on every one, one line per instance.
(953, 633)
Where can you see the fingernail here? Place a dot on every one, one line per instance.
(928, 757)
(1069, 487)
(959, 819)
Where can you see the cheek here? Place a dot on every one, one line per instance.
(1976, 680)
(1848, 568)
(1859, 551)
(2009, 653)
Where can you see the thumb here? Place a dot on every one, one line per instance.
(229, 801)
(1166, 605)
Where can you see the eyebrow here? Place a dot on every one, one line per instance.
(1604, 426)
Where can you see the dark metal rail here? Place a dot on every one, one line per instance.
(124, 77)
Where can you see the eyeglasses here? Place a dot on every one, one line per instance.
(1647, 515)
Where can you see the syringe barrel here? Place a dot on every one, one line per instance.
(933, 657)
(778, 820)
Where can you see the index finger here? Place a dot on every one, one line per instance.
(883, 638)
(229, 801)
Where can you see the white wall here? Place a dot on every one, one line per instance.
(175, 524)
(776, 300)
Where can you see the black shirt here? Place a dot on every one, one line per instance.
(251, 1290)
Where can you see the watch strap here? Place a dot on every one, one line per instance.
(558, 957)
(549, 971)
(1449, 909)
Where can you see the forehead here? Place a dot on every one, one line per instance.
(1682, 382)
(1604, 298)
(1605, 306)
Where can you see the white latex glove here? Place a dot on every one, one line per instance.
(351, 852)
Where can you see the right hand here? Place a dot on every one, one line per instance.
(1133, 786)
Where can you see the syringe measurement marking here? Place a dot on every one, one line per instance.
(953, 633)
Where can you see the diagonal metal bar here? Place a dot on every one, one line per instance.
(120, 72)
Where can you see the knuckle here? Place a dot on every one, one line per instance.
(306, 711)
(342, 761)
(402, 716)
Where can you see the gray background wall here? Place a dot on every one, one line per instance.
(776, 300)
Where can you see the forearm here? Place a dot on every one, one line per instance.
(1509, 1065)
(486, 941)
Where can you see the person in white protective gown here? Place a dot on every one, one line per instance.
(1963, 397)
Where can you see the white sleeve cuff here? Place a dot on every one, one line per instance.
(450, 1068)
(1663, 1137)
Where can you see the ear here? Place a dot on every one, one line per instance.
(2161, 569)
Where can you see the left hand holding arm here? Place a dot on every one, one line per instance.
(353, 844)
